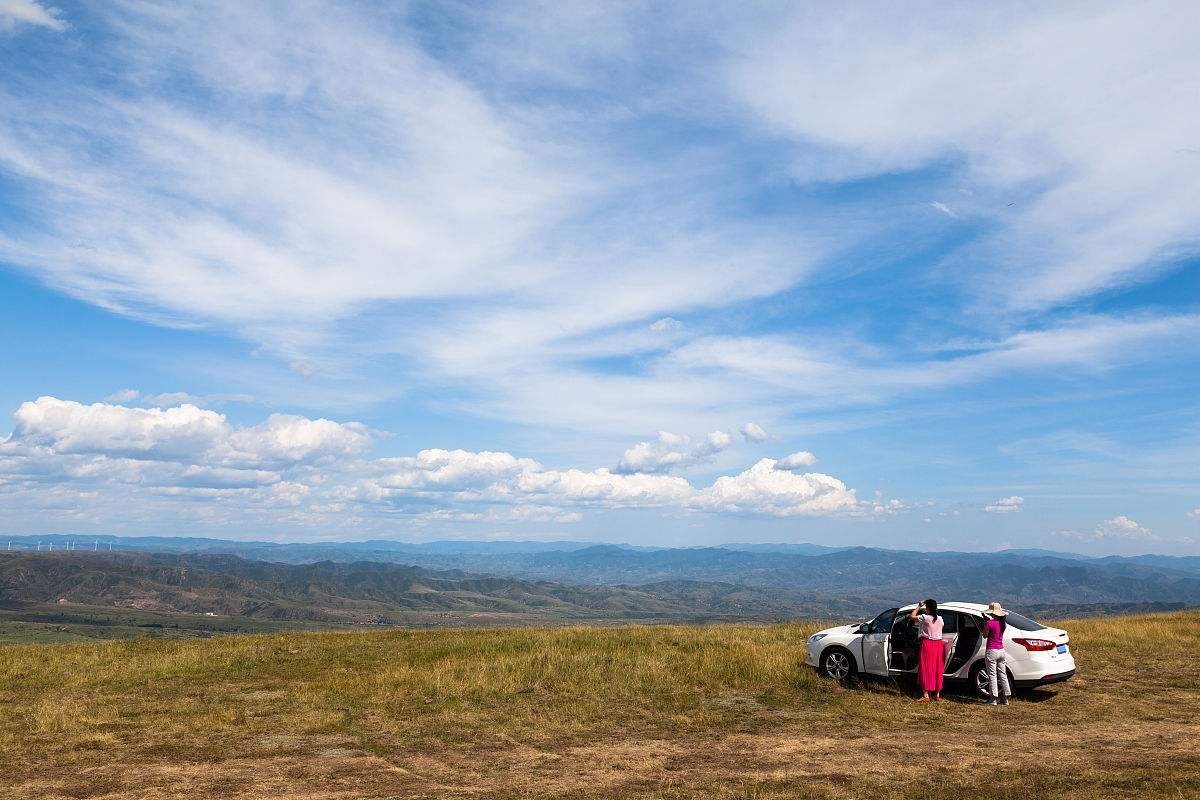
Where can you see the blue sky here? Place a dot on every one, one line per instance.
(643, 272)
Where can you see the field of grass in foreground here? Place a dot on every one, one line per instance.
(635, 712)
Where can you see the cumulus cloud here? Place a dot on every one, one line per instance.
(184, 433)
(1006, 505)
(889, 507)
(315, 471)
(796, 461)
(1115, 529)
(671, 451)
(1122, 527)
(29, 12)
(752, 432)
(1195, 512)
(763, 489)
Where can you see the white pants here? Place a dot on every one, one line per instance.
(997, 670)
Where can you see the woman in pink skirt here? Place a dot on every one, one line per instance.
(931, 659)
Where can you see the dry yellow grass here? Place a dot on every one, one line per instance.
(636, 712)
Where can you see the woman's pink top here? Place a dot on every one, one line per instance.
(995, 634)
(929, 627)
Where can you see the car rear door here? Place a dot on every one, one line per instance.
(951, 622)
(876, 643)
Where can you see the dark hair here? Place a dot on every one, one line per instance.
(931, 607)
(1003, 624)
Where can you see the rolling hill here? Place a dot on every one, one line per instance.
(601, 583)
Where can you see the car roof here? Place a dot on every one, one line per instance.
(977, 608)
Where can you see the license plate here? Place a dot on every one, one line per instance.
(1062, 648)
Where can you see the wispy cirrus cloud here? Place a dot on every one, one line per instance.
(29, 12)
(1082, 198)
(445, 218)
(573, 227)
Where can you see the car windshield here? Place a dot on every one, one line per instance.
(1023, 623)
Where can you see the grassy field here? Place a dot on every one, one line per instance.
(57, 624)
(634, 712)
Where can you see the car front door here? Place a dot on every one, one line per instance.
(875, 643)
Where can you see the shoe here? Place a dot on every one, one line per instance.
(993, 703)
(923, 700)
(1004, 702)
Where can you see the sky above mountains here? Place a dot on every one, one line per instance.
(658, 273)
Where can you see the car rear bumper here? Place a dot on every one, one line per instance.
(1045, 680)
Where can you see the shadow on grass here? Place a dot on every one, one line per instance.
(955, 692)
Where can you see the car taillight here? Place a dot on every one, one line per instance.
(1036, 644)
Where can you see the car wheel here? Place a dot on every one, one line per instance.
(979, 681)
(837, 663)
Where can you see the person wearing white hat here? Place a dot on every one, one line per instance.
(995, 658)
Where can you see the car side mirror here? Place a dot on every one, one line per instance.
(864, 628)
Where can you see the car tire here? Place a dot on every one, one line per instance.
(837, 663)
(979, 684)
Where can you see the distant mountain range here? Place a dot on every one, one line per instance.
(374, 593)
(389, 582)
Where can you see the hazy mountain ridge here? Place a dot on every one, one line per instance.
(596, 582)
(368, 592)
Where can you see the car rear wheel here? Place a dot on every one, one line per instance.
(979, 681)
(837, 663)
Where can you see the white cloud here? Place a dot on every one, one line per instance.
(1006, 505)
(315, 472)
(497, 245)
(1122, 527)
(889, 508)
(945, 209)
(715, 442)
(1082, 199)
(796, 461)
(123, 396)
(753, 432)
(184, 433)
(671, 451)
(1119, 528)
(666, 324)
(452, 470)
(763, 489)
(29, 12)
(1195, 513)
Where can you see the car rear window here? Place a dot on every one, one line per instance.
(1023, 623)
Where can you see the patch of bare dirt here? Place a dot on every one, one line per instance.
(335, 768)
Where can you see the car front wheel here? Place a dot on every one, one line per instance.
(837, 663)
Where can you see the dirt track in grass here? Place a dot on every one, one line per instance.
(664, 712)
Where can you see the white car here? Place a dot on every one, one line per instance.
(887, 646)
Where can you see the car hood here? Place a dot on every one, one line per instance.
(840, 629)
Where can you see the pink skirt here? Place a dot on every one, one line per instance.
(932, 665)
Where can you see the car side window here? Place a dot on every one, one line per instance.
(949, 622)
(883, 623)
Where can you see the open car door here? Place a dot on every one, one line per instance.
(876, 646)
(950, 633)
